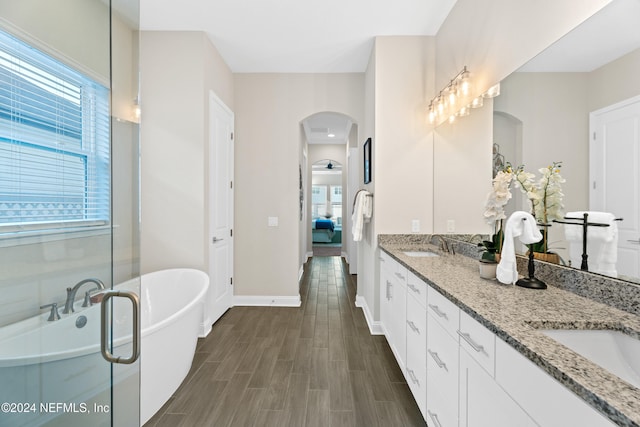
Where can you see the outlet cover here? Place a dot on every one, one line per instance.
(415, 226)
(451, 226)
(272, 221)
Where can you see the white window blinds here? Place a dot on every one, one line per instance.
(54, 143)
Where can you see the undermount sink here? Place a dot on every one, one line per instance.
(612, 350)
(420, 254)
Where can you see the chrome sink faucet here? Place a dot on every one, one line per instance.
(443, 242)
(71, 293)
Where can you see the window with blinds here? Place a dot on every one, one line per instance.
(54, 143)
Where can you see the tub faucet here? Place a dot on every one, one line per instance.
(71, 293)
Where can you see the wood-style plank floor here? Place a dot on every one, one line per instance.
(316, 365)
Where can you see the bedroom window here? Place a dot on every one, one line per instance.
(54, 143)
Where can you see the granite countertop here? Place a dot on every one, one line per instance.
(514, 314)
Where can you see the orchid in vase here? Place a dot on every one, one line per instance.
(545, 196)
(494, 213)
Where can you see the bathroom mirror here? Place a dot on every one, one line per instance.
(543, 113)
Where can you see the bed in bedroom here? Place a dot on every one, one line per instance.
(322, 230)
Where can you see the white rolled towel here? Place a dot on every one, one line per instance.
(523, 225)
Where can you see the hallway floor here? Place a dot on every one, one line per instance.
(316, 365)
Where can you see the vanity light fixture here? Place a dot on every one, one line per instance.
(454, 100)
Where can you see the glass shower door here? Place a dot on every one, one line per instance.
(68, 213)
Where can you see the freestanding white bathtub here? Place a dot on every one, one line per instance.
(58, 361)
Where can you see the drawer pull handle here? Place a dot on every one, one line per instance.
(399, 276)
(413, 327)
(477, 347)
(434, 418)
(438, 312)
(438, 361)
(389, 294)
(414, 289)
(413, 377)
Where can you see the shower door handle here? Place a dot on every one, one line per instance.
(105, 329)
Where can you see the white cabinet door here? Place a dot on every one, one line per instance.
(416, 370)
(442, 376)
(482, 402)
(386, 292)
(399, 322)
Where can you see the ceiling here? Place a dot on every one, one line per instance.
(609, 34)
(295, 36)
(327, 128)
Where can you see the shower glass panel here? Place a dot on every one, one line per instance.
(69, 135)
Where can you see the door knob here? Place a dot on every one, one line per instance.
(216, 240)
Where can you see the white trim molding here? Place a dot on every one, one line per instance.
(267, 301)
(374, 327)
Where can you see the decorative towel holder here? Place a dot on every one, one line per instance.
(531, 282)
(584, 222)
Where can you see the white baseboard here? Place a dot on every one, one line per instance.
(204, 330)
(309, 255)
(266, 300)
(300, 273)
(374, 327)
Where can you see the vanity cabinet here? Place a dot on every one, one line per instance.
(547, 401)
(459, 372)
(393, 306)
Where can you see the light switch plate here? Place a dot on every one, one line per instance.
(272, 221)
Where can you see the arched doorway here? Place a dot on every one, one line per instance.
(326, 208)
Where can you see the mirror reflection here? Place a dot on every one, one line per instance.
(578, 103)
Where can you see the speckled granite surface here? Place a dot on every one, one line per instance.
(515, 313)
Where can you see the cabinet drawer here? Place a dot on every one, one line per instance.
(386, 262)
(442, 375)
(444, 311)
(417, 288)
(478, 341)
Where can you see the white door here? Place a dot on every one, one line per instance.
(615, 176)
(220, 209)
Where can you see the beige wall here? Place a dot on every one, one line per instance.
(179, 69)
(269, 109)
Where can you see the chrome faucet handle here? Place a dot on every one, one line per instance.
(54, 315)
(87, 297)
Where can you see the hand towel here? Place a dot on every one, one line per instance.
(523, 225)
(362, 209)
(602, 242)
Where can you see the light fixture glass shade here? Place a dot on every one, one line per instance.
(477, 102)
(493, 91)
(464, 111)
(465, 84)
(432, 114)
(452, 96)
